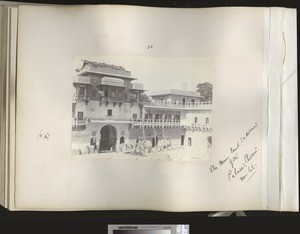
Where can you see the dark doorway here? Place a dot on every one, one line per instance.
(183, 101)
(209, 141)
(122, 140)
(182, 139)
(153, 142)
(108, 138)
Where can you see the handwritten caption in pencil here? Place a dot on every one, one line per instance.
(239, 165)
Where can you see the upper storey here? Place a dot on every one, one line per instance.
(178, 99)
(89, 67)
(105, 82)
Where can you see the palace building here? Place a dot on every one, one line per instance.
(110, 109)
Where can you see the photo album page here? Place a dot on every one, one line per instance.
(142, 108)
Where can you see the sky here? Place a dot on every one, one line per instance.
(159, 73)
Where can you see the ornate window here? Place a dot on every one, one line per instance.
(80, 115)
(113, 93)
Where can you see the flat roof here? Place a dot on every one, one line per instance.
(175, 92)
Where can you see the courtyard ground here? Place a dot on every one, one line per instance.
(180, 153)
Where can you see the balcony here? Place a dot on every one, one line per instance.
(111, 120)
(82, 80)
(167, 123)
(79, 124)
(137, 86)
(177, 105)
(79, 97)
(110, 81)
(157, 123)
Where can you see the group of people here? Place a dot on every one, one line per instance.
(142, 146)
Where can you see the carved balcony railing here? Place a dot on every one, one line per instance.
(178, 105)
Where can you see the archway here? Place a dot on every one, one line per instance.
(108, 138)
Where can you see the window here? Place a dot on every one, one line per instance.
(193, 101)
(105, 93)
(125, 96)
(113, 93)
(209, 140)
(80, 115)
(146, 116)
(190, 141)
(109, 112)
(207, 121)
(73, 109)
(81, 90)
(80, 128)
(134, 116)
(196, 120)
(93, 93)
(120, 94)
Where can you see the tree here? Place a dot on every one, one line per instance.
(205, 90)
(144, 98)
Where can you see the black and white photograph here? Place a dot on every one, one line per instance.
(142, 107)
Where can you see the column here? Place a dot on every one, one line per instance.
(163, 125)
(172, 119)
(143, 124)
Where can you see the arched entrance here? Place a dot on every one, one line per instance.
(108, 138)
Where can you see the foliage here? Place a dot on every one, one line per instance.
(205, 90)
(144, 98)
